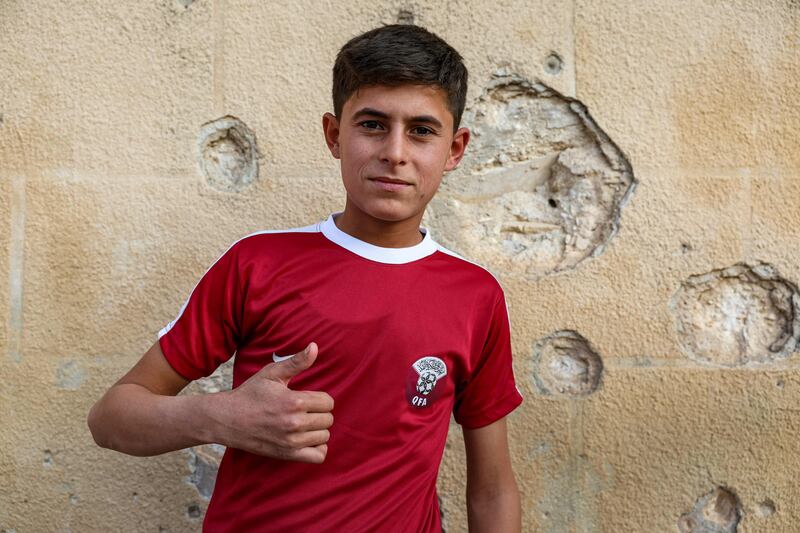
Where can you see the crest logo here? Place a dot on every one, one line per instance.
(428, 371)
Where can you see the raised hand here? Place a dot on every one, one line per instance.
(265, 417)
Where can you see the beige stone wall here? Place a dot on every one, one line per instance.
(107, 221)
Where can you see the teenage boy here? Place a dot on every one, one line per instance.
(364, 312)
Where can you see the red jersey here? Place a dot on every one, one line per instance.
(406, 337)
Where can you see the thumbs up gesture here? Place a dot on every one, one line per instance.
(265, 417)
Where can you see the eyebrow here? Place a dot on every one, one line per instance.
(424, 119)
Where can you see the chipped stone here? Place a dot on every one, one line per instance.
(204, 464)
(738, 315)
(442, 515)
(220, 380)
(542, 186)
(716, 512)
(405, 16)
(565, 365)
(70, 375)
(228, 154)
(765, 509)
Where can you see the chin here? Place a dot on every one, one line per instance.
(390, 213)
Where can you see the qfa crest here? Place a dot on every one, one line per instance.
(421, 385)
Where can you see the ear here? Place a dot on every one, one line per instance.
(457, 148)
(330, 127)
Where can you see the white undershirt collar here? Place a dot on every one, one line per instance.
(394, 256)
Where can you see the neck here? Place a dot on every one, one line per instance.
(378, 232)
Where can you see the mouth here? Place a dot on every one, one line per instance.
(390, 180)
(390, 184)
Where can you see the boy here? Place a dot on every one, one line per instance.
(361, 318)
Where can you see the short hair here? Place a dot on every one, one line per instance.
(400, 54)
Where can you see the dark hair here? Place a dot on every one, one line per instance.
(400, 54)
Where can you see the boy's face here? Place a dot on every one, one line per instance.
(394, 144)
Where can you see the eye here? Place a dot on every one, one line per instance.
(370, 124)
(422, 131)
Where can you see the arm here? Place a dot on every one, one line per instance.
(492, 497)
(141, 414)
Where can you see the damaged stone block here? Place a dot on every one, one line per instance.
(738, 315)
(228, 154)
(204, 460)
(220, 380)
(442, 514)
(541, 187)
(716, 512)
(566, 366)
(203, 466)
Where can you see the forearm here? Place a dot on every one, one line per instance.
(133, 420)
(494, 509)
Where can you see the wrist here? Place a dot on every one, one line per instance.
(204, 413)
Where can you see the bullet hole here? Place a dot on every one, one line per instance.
(780, 383)
(686, 247)
(185, 3)
(738, 315)
(766, 508)
(553, 64)
(541, 188)
(73, 499)
(135, 496)
(716, 512)
(204, 464)
(405, 16)
(228, 154)
(566, 366)
(47, 462)
(193, 511)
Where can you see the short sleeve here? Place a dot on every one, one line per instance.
(491, 392)
(206, 331)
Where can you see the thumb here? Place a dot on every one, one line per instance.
(294, 364)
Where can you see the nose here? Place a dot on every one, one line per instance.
(394, 150)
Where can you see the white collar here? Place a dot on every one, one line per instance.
(394, 256)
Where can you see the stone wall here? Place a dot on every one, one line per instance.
(634, 182)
